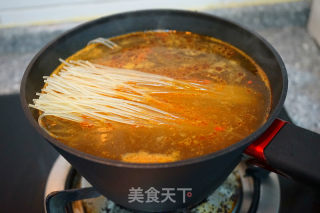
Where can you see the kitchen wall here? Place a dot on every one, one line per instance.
(35, 12)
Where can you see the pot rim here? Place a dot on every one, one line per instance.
(241, 144)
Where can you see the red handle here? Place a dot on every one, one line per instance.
(288, 150)
(256, 149)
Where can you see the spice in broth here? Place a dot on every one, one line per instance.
(235, 102)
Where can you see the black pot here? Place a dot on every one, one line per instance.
(293, 151)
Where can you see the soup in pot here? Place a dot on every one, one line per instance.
(154, 97)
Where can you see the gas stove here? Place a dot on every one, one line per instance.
(247, 189)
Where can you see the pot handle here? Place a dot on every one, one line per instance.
(289, 150)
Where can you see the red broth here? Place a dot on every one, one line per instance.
(239, 105)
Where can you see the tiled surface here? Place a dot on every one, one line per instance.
(283, 25)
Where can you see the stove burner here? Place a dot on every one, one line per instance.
(245, 190)
(225, 199)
